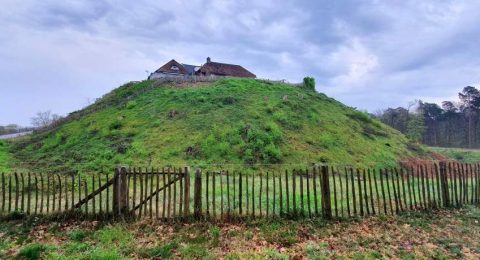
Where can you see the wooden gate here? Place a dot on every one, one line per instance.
(140, 193)
(156, 193)
(131, 193)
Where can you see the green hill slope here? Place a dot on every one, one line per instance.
(232, 121)
(4, 156)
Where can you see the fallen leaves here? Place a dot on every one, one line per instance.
(420, 235)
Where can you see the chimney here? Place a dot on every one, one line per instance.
(209, 60)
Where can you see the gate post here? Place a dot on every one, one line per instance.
(327, 204)
(197, 198)
(120, 192)
(186, 192)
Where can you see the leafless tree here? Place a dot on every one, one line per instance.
(43, 119)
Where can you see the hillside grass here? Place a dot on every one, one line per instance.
(462, 155)
(242, 123)
(4, 156)
(446, 234)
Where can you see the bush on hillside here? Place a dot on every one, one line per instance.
(309, 83)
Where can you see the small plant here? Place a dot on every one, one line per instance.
(32, 251)
(274, 254)
(17, 214)
(248, 235)
(76, 247)
(102, 253)
(164, 251)
(78, 235)
(131, 104)
(215, 233)
(194, 251)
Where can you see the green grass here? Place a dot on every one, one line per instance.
(31, 251)
(460, 154)
(4, 156)
(240, 122)
(444, 234)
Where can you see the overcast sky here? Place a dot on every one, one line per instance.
(370, 54)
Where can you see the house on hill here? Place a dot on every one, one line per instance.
(174, 69)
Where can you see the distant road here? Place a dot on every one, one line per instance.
(11, 136)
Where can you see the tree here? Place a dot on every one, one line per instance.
(451, 124)
(416, 127)
(396, 118)
(431, 113)
(449, 107)
(450, 113)
(470, 98)
(43, 119)
(309, 83)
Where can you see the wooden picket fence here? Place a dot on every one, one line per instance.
(176, 193)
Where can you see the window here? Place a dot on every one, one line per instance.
(174, 67)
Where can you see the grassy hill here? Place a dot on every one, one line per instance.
(4, 156)
(241, 122)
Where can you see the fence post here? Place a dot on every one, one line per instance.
(197, 198)
(326, 202)
(444, 184)
(186, 192)
(120, 192)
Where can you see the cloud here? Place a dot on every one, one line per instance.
(370, 54)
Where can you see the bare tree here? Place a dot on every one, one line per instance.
(43, 119)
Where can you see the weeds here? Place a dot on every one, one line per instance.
(32, 251)
(164, 251)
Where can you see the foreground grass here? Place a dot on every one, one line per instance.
(460, 154)
(445, 234)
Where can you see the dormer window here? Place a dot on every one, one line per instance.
(174, 67)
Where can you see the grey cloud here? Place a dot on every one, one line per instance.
(367, 53)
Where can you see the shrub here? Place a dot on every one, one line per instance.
(281, 117)
(78, 235)
(274, 132)
(309, 83)
(273, 154)
(228, 100)
(32, 251)
(115, 125)
(131, 104)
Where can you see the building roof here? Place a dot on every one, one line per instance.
(224, 69)
(172, 67)
(189, 68)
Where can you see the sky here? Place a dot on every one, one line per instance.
(370, 54)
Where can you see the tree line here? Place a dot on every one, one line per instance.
(41, 119)
(449, 124)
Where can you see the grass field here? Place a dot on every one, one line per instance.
(460, 154)
(445, 234)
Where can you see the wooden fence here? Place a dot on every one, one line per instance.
(169, 193)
